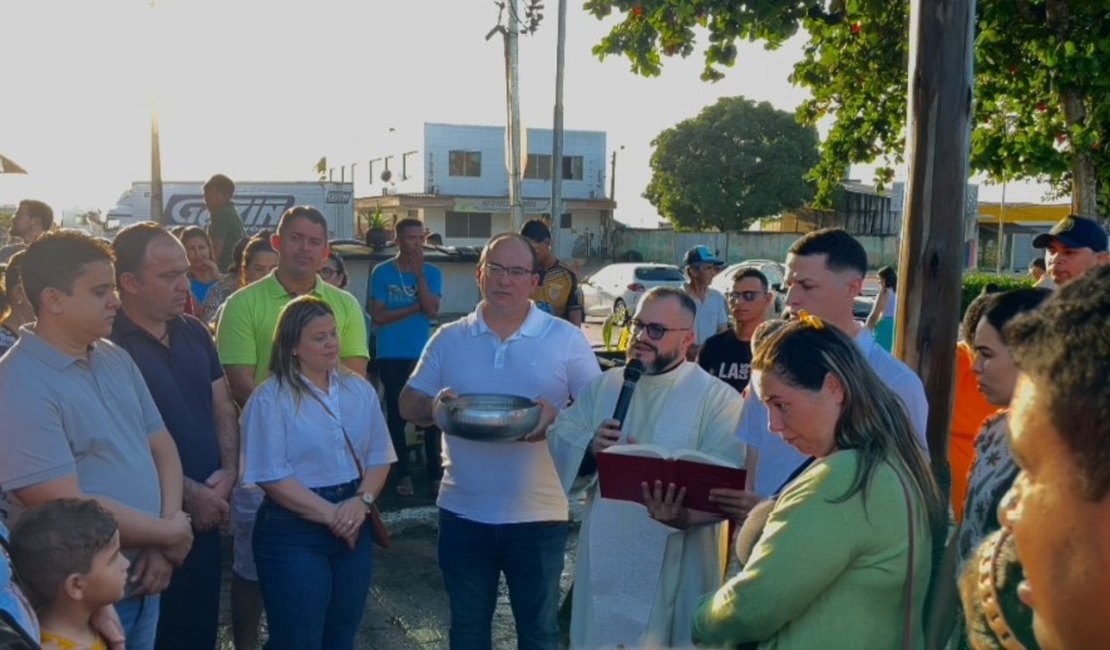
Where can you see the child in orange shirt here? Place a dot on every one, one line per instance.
(67, 556)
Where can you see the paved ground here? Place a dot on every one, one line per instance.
(407, 606)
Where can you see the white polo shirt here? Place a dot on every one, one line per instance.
(777, 459)
(504, 482)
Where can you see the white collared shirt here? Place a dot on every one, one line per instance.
(504, 482)
(284, 436)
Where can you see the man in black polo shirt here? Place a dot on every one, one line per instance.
(178, 360)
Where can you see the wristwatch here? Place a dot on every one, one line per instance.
(367, 499)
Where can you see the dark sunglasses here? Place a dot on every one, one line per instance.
(655, 331)
(746, 296)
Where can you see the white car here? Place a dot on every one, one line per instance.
(618, 287)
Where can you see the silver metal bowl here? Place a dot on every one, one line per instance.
(487, 417)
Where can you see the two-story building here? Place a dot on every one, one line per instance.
(454, 178)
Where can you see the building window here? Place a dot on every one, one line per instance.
(539, 167)
(572, 168)
(565, 220)
(465, 163)
(469, 225)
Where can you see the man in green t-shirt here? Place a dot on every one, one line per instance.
(244, 339)
(225, 226)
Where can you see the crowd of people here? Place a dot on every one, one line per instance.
(159, 389)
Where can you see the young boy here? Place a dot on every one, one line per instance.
(67, 556)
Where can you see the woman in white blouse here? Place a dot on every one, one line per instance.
(315, 441)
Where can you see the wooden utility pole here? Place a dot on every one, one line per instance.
(938, 131)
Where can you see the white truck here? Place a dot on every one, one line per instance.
(260, 204)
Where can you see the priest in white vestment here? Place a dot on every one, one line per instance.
(641, 568)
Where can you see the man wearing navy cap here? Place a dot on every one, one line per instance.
(712, 318)
(1074, 246)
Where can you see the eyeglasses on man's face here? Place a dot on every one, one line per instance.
(655, 331)
(493, 270)
(746, 296)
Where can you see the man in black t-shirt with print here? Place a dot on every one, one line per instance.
(728, 355)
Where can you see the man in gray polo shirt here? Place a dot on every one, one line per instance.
(79, 420)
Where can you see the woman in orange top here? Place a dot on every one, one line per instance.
(970, 407)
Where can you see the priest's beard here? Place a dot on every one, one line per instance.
(662, 363)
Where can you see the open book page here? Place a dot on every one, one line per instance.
(646, 450)
(702, 457)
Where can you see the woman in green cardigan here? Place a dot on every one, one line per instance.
(831, 562)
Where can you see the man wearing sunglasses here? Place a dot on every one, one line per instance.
(638, 570)
(728, 355)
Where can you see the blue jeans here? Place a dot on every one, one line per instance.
(139, 617)
(189, 613)
(313, 586)
(472, 557)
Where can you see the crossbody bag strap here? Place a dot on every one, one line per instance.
(346, 438)
(907, 623)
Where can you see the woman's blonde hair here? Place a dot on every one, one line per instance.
(872, 421)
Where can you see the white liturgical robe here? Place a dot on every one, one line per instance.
(637, 581)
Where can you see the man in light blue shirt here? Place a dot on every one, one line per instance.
(824, 273)
(402, 298)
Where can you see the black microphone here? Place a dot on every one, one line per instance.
(632, 373)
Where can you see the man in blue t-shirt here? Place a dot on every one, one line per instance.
(402, 298)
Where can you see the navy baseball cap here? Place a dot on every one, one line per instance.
(1074, 231)
(701, 255)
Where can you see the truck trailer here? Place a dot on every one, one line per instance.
(260, 204)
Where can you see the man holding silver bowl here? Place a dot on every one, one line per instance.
(502, 507)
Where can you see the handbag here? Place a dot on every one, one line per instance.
(379, 533)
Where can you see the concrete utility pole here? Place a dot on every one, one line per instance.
(937, 144)
(557, 132)
(156, 203)
(613, 175)
(512, 97)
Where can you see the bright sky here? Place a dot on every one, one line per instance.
(260, 90)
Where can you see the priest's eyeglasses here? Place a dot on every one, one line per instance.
(655, 331)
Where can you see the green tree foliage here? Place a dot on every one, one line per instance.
(1042, 78)
(736, 162)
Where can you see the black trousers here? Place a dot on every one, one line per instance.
(189, 610)
(394, 373)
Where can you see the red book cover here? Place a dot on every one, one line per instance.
(622, 469)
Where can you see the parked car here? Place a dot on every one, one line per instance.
(869, 293)
(617, 288)
(775, 273)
